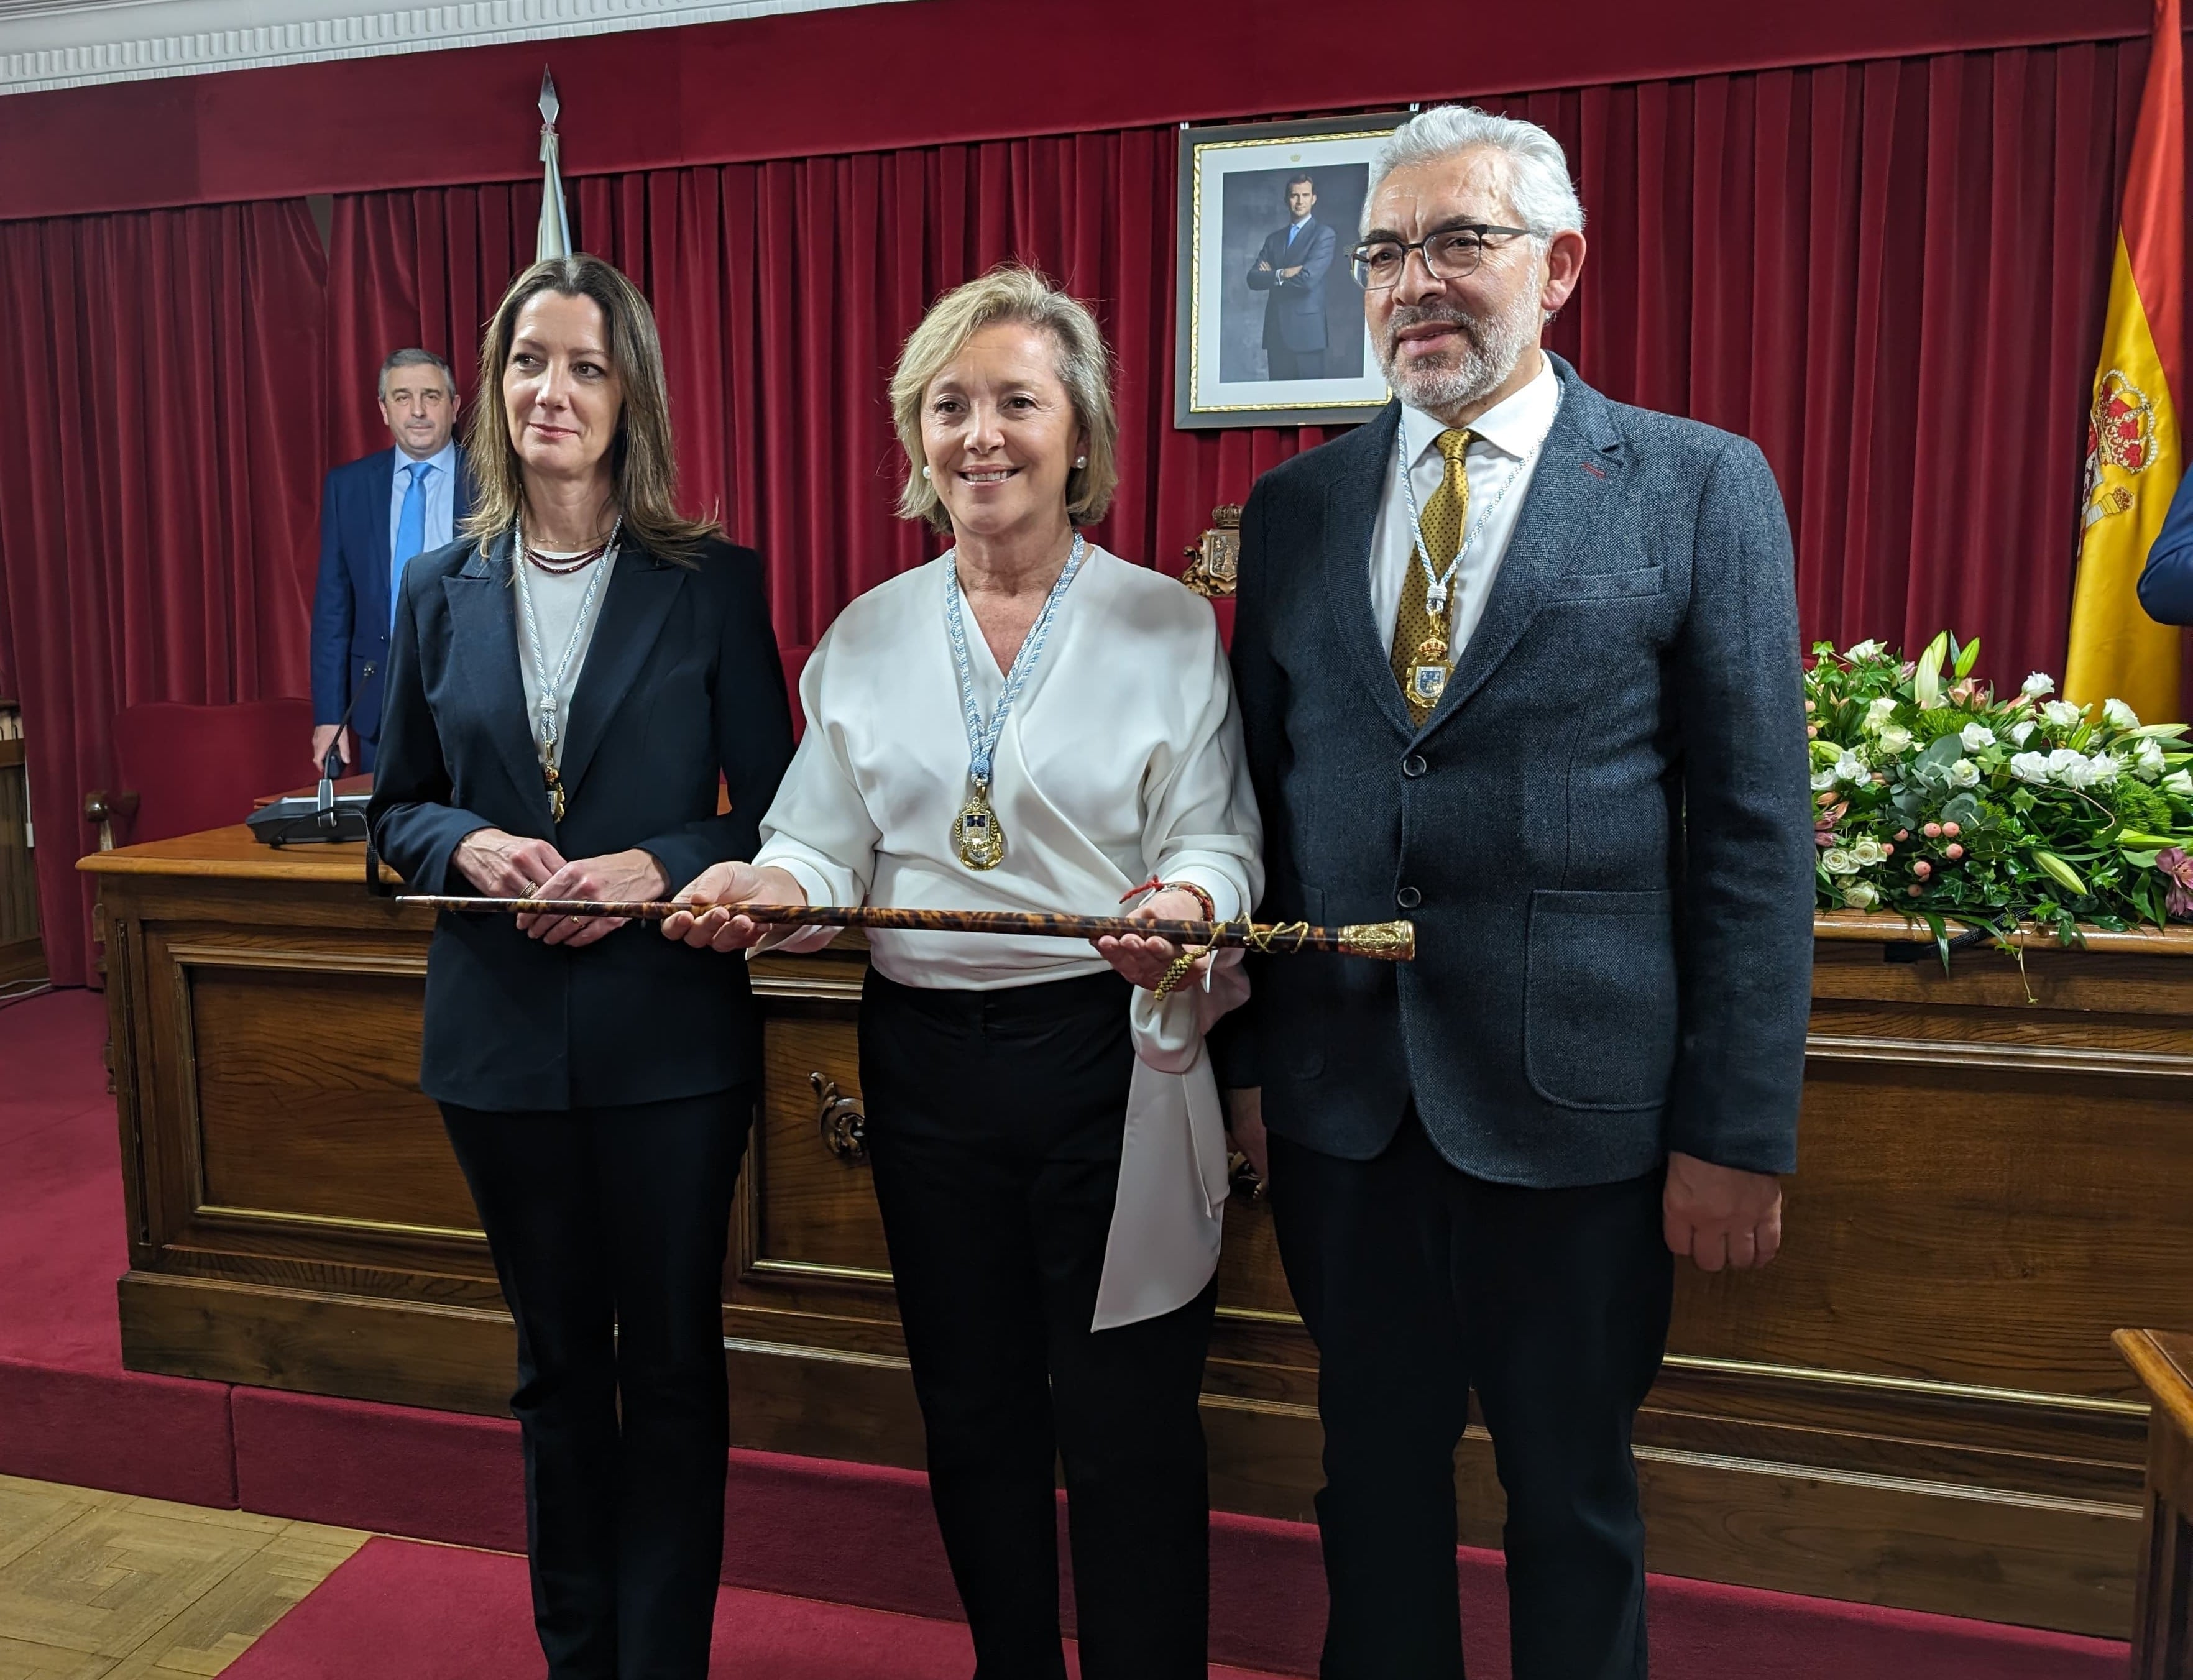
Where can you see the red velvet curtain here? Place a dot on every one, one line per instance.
(158, 488)
(1890, 275)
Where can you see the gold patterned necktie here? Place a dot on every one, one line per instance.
(1423, 656)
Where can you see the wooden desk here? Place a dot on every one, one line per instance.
(1917, 1405)
(2162, 1620)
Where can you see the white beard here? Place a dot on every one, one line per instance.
(1491, 349)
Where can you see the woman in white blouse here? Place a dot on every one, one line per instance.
(1029, 723)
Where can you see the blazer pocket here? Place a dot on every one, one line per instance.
(1290, 1010)
(1600, 1003)
(1609, 585)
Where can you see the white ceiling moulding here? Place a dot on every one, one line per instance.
(74, 43)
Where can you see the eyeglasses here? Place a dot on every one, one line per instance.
(1449, 253)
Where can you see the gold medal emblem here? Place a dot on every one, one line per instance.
(977, 835)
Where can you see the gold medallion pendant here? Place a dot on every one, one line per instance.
(1427, 676)
(977, 835)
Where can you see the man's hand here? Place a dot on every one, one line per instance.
(618, 878)
(325, 735)
(1264, 266)
(1145, 960)
(1721, 1215)
(1244, 1125)
(1290, 273)
(725, 885)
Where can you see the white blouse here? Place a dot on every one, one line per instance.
(1122, 760)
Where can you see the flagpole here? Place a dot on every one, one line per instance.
(554, 237)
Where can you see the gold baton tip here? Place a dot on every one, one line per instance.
(1384, 941)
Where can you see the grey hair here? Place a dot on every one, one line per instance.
(1539, 185)
(414, 358)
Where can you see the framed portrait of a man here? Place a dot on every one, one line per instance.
(1270, 325)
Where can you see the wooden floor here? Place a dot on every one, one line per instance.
(103, 1586)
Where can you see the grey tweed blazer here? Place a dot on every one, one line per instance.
(1603, 833)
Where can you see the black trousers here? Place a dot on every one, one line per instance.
(608, 1227)
(1418, 1282)
(1282, 364)
(995, 1125)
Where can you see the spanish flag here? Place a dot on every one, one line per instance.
(2135, 451)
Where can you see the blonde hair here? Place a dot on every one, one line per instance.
(1012, 295)
(643, 460)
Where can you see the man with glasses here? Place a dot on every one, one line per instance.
(1289, 271)
(1521, 664)
(376, 514)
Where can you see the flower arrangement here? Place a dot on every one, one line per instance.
(1933, 797)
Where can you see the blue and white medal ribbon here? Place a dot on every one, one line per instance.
(976, 836)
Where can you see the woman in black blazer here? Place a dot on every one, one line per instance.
(566, 682)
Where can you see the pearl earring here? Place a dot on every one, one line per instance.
(1081, 461)
(925, 472)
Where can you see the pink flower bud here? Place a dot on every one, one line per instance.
(1949, 829)
(1902, 834)
(1879, 777)
(1824, 841)
(1922, 869)
(1913, 892)
(1812, 732)
(1810, 708)
(1826, 799)
(1956, 852)
(1934, 831)
(1886, 849)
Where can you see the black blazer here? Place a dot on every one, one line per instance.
(681, 681)
(1603, 831)
(1294, 309)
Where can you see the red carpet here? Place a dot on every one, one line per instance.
(398, 1611)
(798, 1527)
(68, 1411)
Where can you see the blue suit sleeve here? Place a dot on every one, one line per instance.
(415, 826)
(1320, 259)
(333, 609)
(2165, 584)
(754, 735)
(1263, 279)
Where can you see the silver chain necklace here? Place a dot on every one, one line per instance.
(1437, 584)
(546, 733)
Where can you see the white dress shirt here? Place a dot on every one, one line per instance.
(1502, 457)
(441, 501)
(1121, 760)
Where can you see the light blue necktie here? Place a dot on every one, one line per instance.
(1292, 231)
(410, 530)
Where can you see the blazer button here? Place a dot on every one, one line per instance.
(1414, 766)
(1408, 898)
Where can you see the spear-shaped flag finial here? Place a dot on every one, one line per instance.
(554, 238)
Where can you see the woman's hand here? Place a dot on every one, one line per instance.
(618, 878)
(502, 866)
(1144, 960)
(716, 928)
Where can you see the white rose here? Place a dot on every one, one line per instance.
(1978, 737)
(1850, 768)
(1822, 781)
(1878, 714)
(1867, 853)
(2031, 767)
(1837, 862)
(2103, 768)
(2063, 715)
(2019, 731)
(2061, 763)
(1894, 738)
(2180, 782)
(2119, 715)
(1964, 774)
(2039, 685)
(2079, 772)
(2147, 760)
(1864, 650)
(1861, 895)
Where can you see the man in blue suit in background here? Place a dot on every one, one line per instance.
(1292, 268)
(2166, 586)
(375, 514)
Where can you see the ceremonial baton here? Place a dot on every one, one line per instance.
(1383, 942)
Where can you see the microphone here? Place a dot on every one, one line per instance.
(333, 766)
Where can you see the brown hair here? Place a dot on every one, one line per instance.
(643, 460)
(1019, 296)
